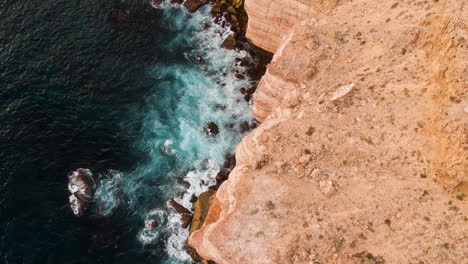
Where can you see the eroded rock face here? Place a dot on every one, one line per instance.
(270, 21)
(81, 186)
(341, 174)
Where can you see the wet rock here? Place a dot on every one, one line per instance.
(211, 129)
(229, 43)
(179, 2)
(220, 107)
(183, 182)
(222, 175)
(214, 187)
(244, 127)
(200, 60)
(230, 161)
(206, 26)
(192, 253)
(152, 224)
(193, 5)
(194, 198)
(81, 186)
(231, 10)
(201, 210)
(219, 8)
(185, 220)
(178, 207)
(240, 76)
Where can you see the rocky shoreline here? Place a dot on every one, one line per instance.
(231, 15)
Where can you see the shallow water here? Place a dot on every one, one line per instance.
(116, 87)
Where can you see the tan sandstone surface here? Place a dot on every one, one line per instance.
(361, 156)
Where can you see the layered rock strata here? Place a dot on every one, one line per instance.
(361, 156)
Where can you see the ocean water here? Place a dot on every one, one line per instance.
(122, 89)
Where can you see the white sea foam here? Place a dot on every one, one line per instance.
(80, 185)
(189, 95)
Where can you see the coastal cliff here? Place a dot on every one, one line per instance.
(361, 156)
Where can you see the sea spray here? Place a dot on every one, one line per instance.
(185, 97)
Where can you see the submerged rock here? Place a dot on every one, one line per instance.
(81, 187)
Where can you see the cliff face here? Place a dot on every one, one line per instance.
(362, 153)
(270, 20)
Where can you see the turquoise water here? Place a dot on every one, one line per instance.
(185, 98)
(117, 87)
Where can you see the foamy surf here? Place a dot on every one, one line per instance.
(81, 187)
(186, 98)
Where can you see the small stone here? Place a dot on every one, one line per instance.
(342, 91)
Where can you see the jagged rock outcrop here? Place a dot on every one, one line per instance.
(362, 155)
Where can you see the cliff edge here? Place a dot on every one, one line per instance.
(361, 156)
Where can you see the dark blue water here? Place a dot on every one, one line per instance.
(105, 85)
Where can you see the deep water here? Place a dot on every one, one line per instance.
(117, 87)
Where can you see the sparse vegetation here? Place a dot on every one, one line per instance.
(423, 175)
(455, 99)
(425, 193)
(460, 197)
(388, 222)
(310, 131)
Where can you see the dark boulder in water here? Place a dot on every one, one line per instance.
(153, 223)
(222, 175)
(211, 129)
(229, 43)
(179, 208)
(185, 220)
(230, 161)
(193, 5)
(81, 187)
